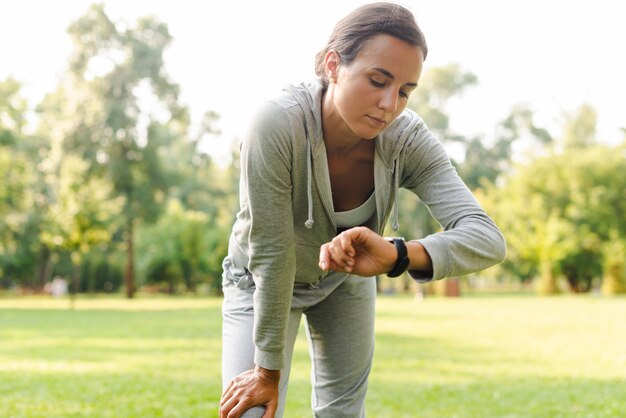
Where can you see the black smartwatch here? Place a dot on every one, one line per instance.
(402, 262)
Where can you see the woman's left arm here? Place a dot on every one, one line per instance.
(470, 240)
(363, 252)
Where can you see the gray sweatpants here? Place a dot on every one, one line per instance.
(339, 315)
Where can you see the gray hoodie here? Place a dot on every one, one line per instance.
(286, 208)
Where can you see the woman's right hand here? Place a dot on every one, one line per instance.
(256, 387)
(360, 251)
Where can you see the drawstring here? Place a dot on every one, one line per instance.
(395, 221)
(310, 122)
(395, 224)
(309, 222)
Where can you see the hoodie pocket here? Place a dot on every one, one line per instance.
(307, 263)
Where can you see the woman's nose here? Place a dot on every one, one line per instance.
(388, 101)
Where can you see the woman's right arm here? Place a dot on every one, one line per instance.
(267, 229)
(266, 197)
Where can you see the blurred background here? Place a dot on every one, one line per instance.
(119, 131)
(120, 123)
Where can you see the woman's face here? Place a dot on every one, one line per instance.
(369, 93)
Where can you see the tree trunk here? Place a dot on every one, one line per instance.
(42, 268)
(547, 281)
(75, 278)
(129, 278)
(614, 280)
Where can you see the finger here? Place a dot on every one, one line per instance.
(337, 252)
(232, 413)
(335, 267)
(225, 398)
(335, 256)
(346, 243)
(358, 235)
(230, 384)
(327, 260)
(339, 256)
(324, 262)
(270, 410)
(228, 394)
(224, 411)
(228, 410)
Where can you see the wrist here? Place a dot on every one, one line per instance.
(420, 259)
(402, 260)
(273, 375)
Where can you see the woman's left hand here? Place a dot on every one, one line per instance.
(251, 388)
(358, 251)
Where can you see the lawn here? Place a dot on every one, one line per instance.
(505, 356)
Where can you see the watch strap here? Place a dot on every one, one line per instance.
(402, 262)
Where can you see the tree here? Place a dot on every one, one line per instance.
(202, 187)
(12, 112)
(614, 270)
(484, 164)
(120, 111)
(22, 193)
(79, 214)
(182, 248)
(580, 128)
(558, 211)
(483, 160)
(437, 87)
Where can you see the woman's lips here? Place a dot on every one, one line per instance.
(377, 121)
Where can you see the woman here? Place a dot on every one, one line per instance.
(321, 166)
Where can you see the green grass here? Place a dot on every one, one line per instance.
(469, 357)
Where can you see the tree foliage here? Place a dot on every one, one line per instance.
(437, 87)
(123, 110)
(114, 175)
(560, 210)
(557, 207)
(22, 191)
(113, 149)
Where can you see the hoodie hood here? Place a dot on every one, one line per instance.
(309, 98)
(389, 143)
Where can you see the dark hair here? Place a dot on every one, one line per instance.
(362, 24)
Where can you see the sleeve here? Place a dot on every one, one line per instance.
(470, 240)
(266, 188)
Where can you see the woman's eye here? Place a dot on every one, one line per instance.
(404, 95)
(376, 83)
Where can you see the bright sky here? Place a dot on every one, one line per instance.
(228, 56)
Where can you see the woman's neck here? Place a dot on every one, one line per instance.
(338, 137)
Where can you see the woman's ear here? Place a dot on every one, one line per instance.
(331, 65)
